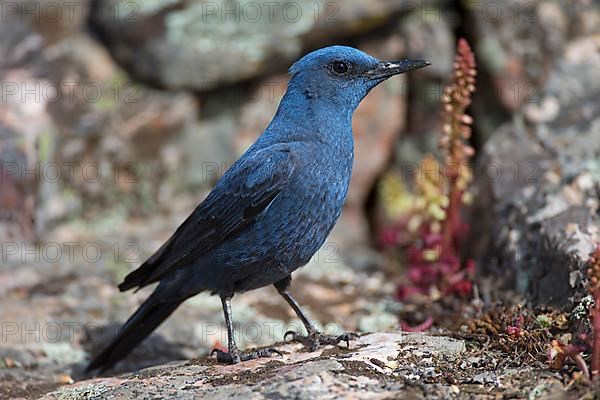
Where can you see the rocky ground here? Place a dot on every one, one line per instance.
(54, 316)
(375, 366)
(159, 138)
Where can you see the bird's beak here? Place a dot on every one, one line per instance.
(390, 68)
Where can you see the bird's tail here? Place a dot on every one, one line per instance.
(147, 317)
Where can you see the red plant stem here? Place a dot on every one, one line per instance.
(596, 333)
(580, 362)
(422, 327)
(454, 195)
(452, 219)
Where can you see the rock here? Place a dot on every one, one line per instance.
(538, 186)
(366, 370)
(198, 45)
(56, 315)
(130, 124)
(84, 115)
(505, 31)
(53, 20)
(18, 141)
(429, 33)
(517, 46)
(16, 199)
(149, 145)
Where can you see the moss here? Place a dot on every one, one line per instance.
(492, 54)
(46, 145)
(244, 36)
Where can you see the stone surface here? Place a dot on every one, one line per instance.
(539, 184)
(367, 369)
(518, 44)
(199, 45)
(153, 146)
(55, 314)
(506, 31)
(429, 33)
(84, 114)
(537, 222)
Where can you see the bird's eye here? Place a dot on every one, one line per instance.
(339, 67)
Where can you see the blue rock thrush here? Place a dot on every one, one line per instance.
(271, 211)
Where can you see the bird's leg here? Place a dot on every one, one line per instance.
(234, 356)
(283, 287)
(314, 338)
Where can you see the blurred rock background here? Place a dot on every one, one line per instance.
(117, 117)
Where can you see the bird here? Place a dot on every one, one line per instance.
(271, 210)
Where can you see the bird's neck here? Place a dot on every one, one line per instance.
(301, 117)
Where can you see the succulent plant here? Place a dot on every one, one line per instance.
(426, 223)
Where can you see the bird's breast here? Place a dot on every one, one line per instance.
(295, 225)
(309, 210)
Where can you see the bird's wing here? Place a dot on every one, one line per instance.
(238, 200)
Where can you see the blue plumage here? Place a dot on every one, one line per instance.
(273, 209)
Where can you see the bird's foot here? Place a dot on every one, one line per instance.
(313, 340)
(235, 356)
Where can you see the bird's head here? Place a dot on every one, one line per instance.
(344, 75)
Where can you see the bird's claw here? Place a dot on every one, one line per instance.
(313, 340)
(224, 357)
(234, 357)
(262, 353)
(346, 337)
(293, 333)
